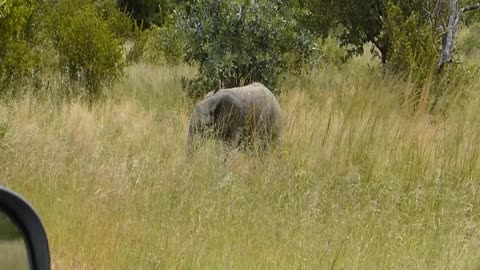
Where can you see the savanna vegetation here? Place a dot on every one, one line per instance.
(378, 165)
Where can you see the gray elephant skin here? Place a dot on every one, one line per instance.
(239, 117)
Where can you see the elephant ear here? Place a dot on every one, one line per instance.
(229, 115)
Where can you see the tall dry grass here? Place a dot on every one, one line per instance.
(356, 182)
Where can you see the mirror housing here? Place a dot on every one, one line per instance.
(28, 221)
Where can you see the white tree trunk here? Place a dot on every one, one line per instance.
(446, 55)
(455, 16)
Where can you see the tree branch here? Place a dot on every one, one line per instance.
(469, 8)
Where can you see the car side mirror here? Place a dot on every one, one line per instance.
(23, 241)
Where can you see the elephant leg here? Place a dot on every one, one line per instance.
(265, 138)
(232, 143)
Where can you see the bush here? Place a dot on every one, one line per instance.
(415, 50)
(119, 23)
(89, 50)
(413, 46)
(17, 59)
(331, 53)
(163, 45)
(135, 54)
(237, 42)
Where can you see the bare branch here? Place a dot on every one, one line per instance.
(469, 8)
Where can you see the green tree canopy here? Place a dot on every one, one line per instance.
(237, 42)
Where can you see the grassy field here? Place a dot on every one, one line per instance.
(358, 181)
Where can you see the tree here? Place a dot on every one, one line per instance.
(315, 16)
(368, 21)
(237, 42)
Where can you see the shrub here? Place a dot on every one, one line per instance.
(135, 54)
(237, 42)
(331, 52)
(16, 57)
(413, 46)
(119, 23)
(89, 50)
(163, 46)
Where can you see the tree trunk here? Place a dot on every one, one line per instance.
(447, 46)
(383, 48)
(384, 56)
(447, 49)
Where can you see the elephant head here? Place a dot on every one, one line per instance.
(220, 115)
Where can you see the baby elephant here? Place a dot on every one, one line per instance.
(239, 116)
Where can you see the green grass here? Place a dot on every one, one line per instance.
(357, 181)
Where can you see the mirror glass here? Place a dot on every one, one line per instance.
(13, 250)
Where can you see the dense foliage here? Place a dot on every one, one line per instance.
(17, 58)
(238, 42)
(89, 49)
(231, 42)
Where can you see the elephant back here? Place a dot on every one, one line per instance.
(262, 107)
